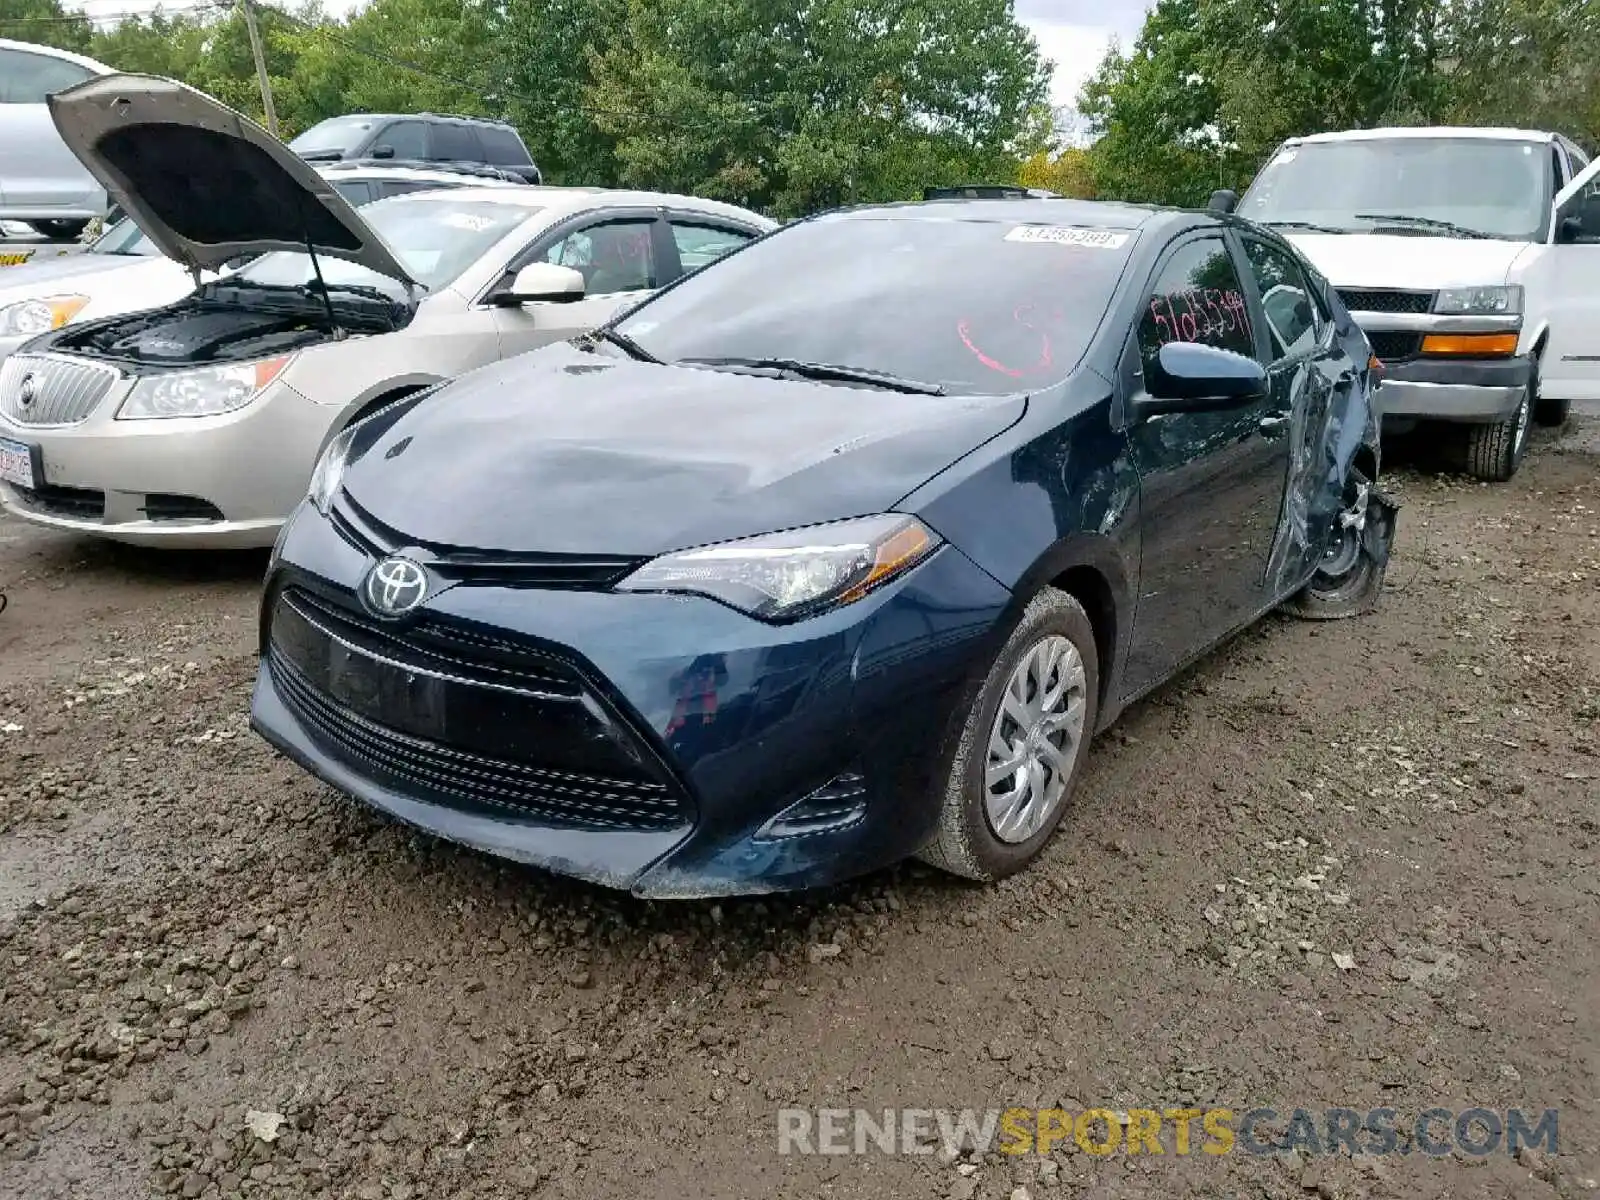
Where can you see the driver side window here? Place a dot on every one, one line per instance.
(1585, 209)
(1293, 321)
(614, 257)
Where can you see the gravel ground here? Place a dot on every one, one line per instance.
(1347, 864)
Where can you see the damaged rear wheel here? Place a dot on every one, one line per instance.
(1350, 576)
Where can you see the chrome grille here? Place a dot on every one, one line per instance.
(59, 391)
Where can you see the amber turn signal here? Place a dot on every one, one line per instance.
(1475, 345)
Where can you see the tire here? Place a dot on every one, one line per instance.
(1494, 452)
(1552, 411)
(1335, 597)
(63, 231)
(1054, 630)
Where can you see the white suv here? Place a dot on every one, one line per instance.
(41, 181)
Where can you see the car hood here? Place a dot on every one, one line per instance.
(205, 183)
(1360, 260)
(565, 452)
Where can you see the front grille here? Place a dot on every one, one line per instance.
(161, 507)
(448, 716)
(1395, 347)
(45, 390)
(588, 572)
(83, 504)
(1367, 300)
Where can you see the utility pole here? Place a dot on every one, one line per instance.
(261, 66)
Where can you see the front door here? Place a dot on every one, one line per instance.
(1211, 484)
(1307, 367)
(1570, 368)
(619, 263)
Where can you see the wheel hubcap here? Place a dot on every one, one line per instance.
(1035, 739)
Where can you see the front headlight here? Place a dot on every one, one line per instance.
(206, 392)
(329, 472)
(1479, 301)
(783, 576)
(39, 316)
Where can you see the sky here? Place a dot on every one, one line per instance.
(1071, 33)
(1074, 35)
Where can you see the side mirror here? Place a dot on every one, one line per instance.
(1223, 200)
(1192, 377)
(1569, 230)
(542, 281)
(381, 152)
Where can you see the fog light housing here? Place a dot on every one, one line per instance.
(837, 804)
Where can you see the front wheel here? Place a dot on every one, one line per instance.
(1494, 452)
(1015, 750)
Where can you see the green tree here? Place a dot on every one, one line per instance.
(45, 23)
(837, 101)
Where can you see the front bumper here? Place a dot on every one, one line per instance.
(203, 482)
(1466, 390)
(838, 718)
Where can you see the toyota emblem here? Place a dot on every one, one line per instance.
(395, 586)
(25, 391)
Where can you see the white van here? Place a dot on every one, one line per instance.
(1471, 258)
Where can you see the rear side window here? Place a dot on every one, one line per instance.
(1294, 322)
(28, 78)
(455, 143)
(503, 147)
(701, 245)
(1196, 297)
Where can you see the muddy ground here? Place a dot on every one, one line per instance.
(191, 930)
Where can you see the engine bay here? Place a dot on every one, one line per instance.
(203, 330)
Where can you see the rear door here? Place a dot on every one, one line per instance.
(1569, 280)
(451, 142)
(37, 171)
(1211, 484)
(619, 256)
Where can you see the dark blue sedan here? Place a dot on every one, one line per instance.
(837, 551)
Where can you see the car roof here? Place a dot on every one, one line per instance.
(417, 116)
(1032, 210)
(1482, 132)
(346, 170)
(578, 199)
(82, 60)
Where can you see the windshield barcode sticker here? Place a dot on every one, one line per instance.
(1068, 235)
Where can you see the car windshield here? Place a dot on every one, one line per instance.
(1491, 187)
(972, 306)
(336, 133)
(124, 238)
(435, 238)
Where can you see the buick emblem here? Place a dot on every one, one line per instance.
(395, 586)
(25, 392)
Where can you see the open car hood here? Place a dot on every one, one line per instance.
(204, 182)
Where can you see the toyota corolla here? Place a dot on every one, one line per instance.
(835, 552)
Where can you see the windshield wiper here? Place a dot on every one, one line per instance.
(1423, 223)
(365, 291)
(823, 372)
(1310, 225)
(588, 341)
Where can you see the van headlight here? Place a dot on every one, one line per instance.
(27, 317)
(206, 392)
(1479, 301)
(784, 576)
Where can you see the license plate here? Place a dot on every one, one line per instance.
(16, 464)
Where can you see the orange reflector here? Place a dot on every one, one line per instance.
(1375, 364)
(267, 370)
(892, 555)
(1478, 345)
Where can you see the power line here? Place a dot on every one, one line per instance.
(92, 18)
